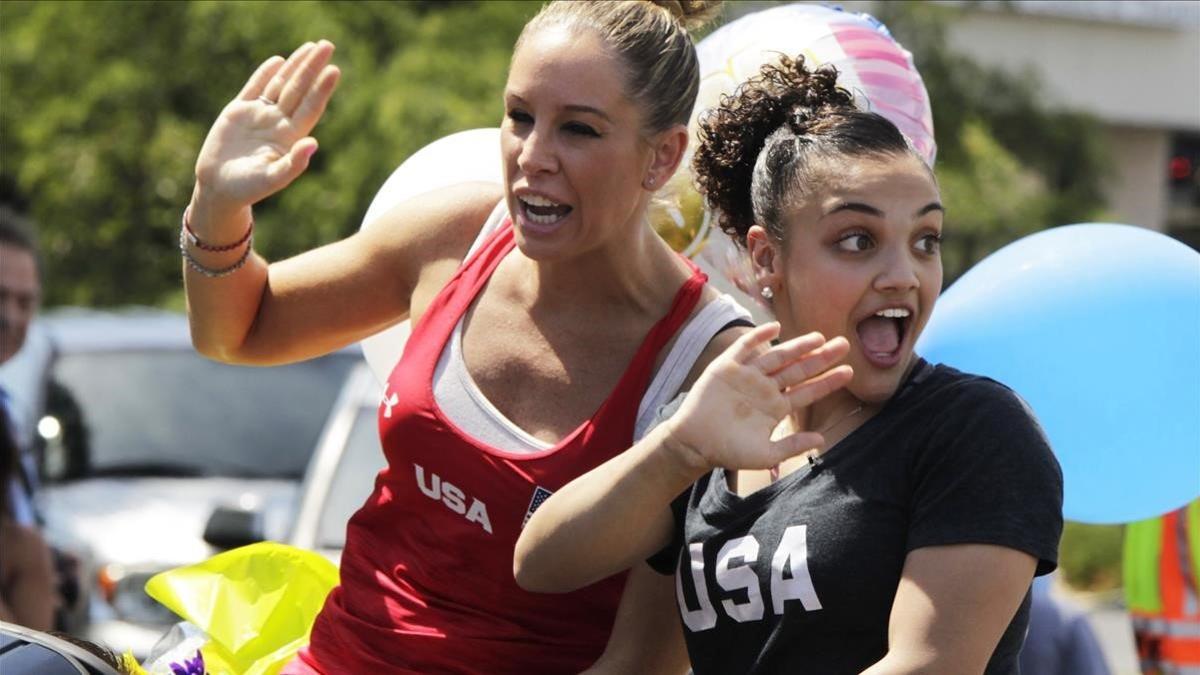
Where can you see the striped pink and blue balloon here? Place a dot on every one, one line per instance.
(871, 64)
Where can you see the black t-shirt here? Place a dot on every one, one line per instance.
(799, 577)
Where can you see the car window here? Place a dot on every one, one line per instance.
(353, 480)
(173, 412)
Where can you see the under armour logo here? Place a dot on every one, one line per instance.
(390, 402)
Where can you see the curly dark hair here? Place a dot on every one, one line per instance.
(758, 146)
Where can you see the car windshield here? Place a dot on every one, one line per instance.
(352, 481)
(173, 412)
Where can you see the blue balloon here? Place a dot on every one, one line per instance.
(1097, 327)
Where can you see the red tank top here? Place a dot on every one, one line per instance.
(426, 575)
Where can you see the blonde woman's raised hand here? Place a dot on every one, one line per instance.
(728, 417)
(260, 142)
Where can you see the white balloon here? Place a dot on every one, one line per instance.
(465, 157)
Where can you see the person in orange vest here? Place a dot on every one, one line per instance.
(1161, 568)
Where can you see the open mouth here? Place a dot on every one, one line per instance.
(882, 335)
(543, 212)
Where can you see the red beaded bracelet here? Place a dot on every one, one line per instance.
(195, 241)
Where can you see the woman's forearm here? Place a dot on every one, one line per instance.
(221, 311)
(606, 520)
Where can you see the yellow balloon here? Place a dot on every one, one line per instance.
(679, 217)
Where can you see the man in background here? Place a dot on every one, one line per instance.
(28, 582)
(20, 294)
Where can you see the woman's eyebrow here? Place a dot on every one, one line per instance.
(588, 109)
(573, 107)
(856, 206)
(872, 211)
(931, 206)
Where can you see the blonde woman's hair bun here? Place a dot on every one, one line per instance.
(691, 14)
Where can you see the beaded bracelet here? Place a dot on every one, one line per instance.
(186, 231)
(208, 271)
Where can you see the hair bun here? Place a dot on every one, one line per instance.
(801, 118)
(692, 14)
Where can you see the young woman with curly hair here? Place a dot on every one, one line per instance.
(891, 526)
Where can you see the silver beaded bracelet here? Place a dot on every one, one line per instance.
(208, 271)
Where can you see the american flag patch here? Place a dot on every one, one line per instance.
(540, 494)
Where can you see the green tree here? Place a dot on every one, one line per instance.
(103, 107)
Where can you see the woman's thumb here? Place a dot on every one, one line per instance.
(289, 167)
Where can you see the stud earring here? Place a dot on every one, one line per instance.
(767, 293)
(650, 182)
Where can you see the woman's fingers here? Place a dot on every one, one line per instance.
(753, 343)
(806, 364)
(817, 388)
(312, 106)
(275, 86)
(781, 355)
(258, 81)
(301, 80)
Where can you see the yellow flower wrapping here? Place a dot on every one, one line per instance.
(256, 603)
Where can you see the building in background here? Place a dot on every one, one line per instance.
(1134, 66)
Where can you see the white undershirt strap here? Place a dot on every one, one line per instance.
(693, 338)
(493, 223)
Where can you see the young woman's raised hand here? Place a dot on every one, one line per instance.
(728, 417)
(260, 142)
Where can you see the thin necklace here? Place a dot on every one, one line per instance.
(774, 471)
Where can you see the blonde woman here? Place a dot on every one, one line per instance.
(549, 323)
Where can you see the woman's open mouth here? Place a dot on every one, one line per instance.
(541, 214)
(882, 336)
